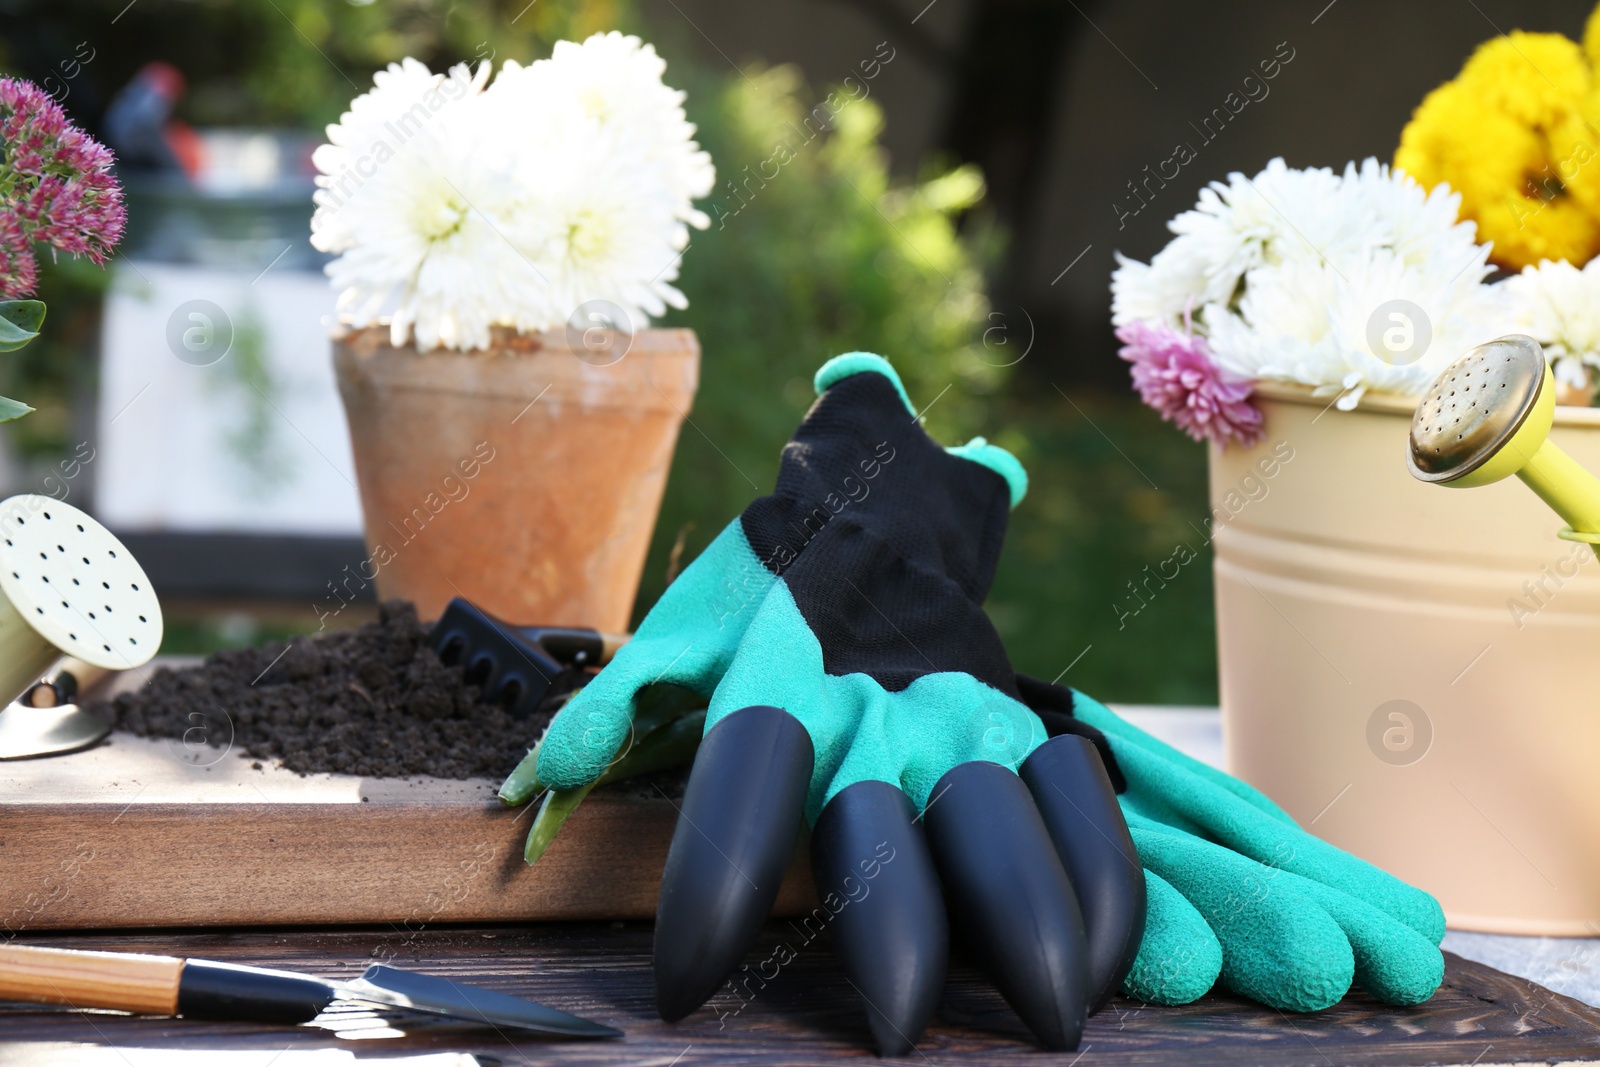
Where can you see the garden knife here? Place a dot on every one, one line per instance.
(201, 989)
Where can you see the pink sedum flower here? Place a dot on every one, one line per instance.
(1175, 374)
(56, 187)
(19, 271)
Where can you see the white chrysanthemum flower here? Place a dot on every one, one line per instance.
(1398, 321)
(408, 195)
(1341, 282)
(1280, 215)
(1172, 283)
(1381, 323)
(1279, 327)
(614, 230)
(1412, 220)
(454, 208)
(600, 233)
(615, 81)
(1558, 305)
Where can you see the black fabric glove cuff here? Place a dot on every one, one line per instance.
(860, 453)
(887, 542)
(1053, 704)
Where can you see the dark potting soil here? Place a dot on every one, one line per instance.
(375, 701)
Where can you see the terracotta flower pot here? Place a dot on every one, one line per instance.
(1410, 670)
(525, 478)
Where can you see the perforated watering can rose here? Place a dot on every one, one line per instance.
(70, 588)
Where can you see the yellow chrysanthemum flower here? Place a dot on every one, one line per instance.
(1591, 38)
(1575, 144)
(1509, 133)
(1533, 77)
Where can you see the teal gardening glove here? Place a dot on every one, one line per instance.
(1239, 893)
(837, 630)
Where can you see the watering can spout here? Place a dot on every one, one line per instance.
(1488, 416)
(1570, 490)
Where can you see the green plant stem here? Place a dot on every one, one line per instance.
(558, 805)
(658, 705)
(672, 744)
(523, 784)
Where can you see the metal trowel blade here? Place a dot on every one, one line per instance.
(27, 732)
(398, 988)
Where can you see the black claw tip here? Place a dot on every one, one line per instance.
(1075, 797)
(875, 877)
(1010, 897)
(735, 836)
(891, 1043)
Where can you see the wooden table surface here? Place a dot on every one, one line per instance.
(806, 1015)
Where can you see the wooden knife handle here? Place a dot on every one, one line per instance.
(610, 643)
(124, 981)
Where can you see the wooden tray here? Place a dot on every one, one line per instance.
(148, 833)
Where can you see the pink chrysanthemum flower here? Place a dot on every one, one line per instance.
(56, 187)
(1175, 374)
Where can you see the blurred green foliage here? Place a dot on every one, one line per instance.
(814, 249)
(307, 58)
(56, 373)
(199, 630)
(286, 63)
(1113, 492)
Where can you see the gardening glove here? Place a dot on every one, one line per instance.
(1237, 891)
(854, 681)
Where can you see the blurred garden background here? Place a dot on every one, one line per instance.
(980, 163)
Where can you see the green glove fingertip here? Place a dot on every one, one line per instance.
(841, 367)
(998, 460)
(1176, 795)
(1394, 963)
(685, 640)
(583, 739)
(1278, 945)
(1179, 958)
